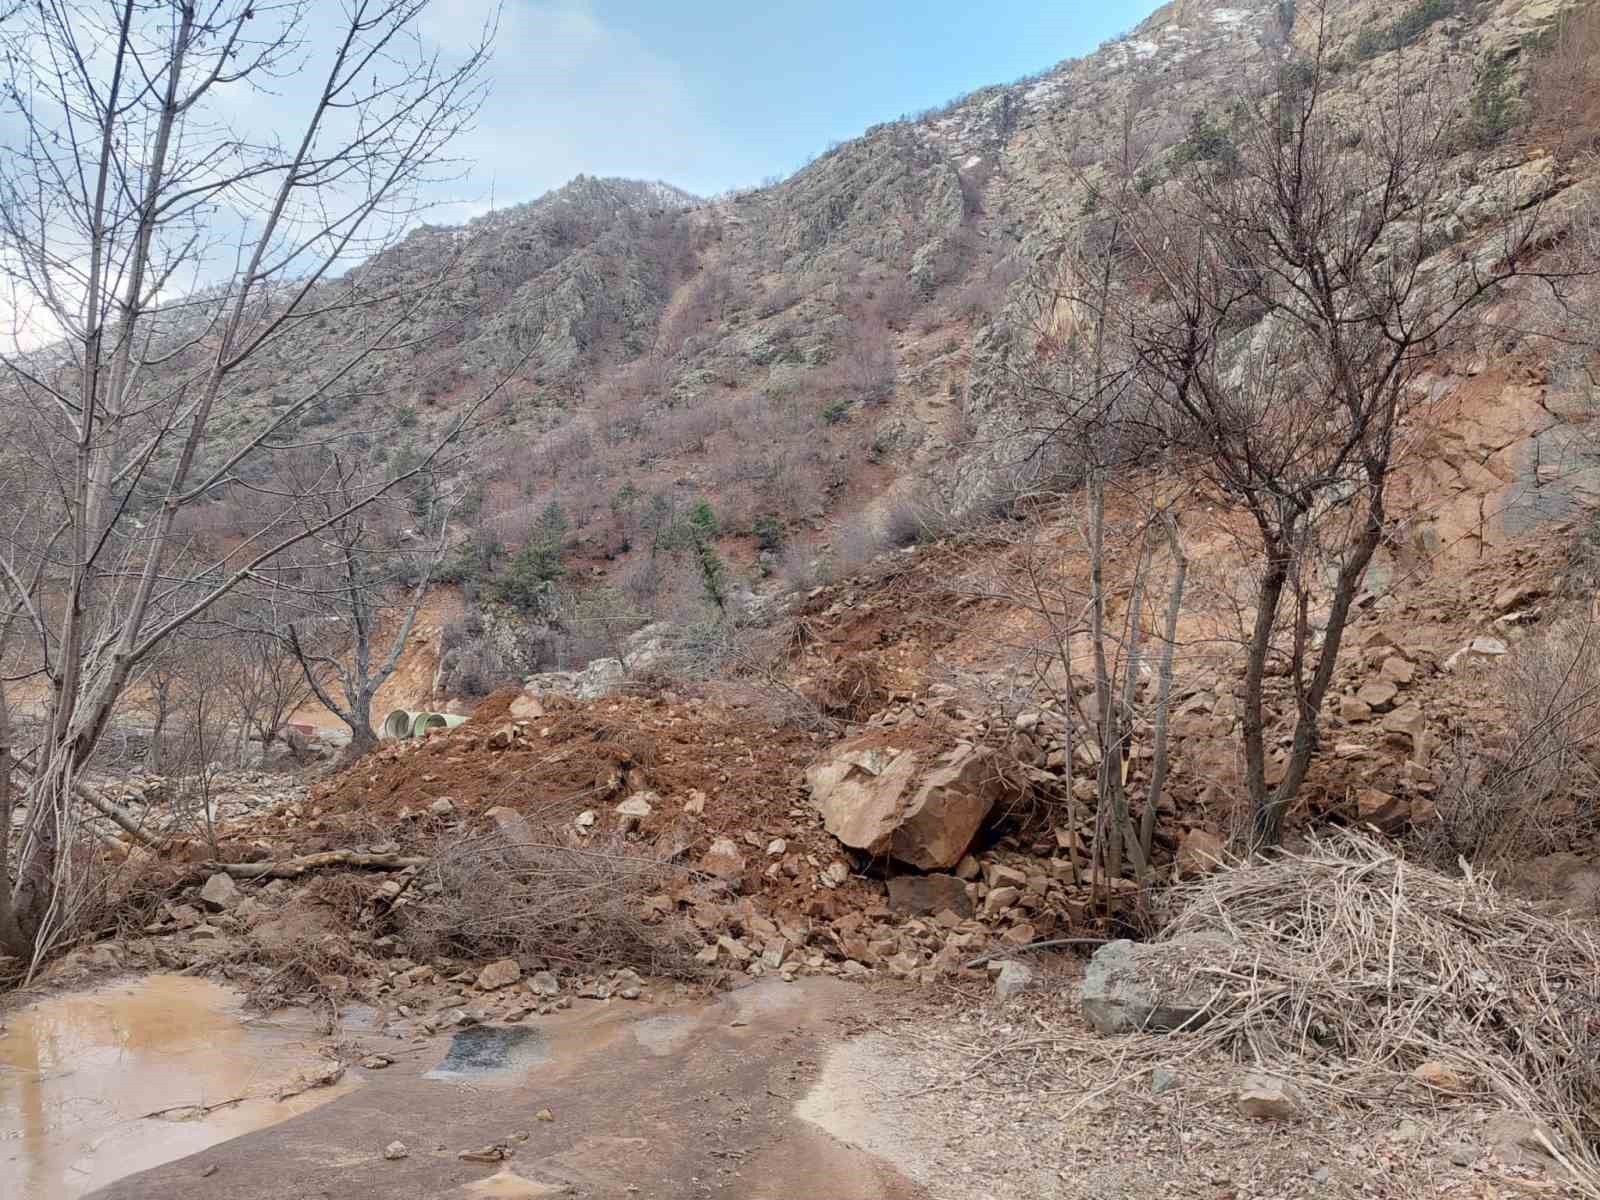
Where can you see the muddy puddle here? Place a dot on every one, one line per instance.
(98, 1085)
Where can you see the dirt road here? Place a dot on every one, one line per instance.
(605, 1100)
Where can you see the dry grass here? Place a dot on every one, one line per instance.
(488, 896)
(1363, 967)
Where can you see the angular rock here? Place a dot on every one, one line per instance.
(1131, 987)
(1269, 1098)
(395, 1151)
(924, 895)
(1000, 898)
(903, 802)
(1385, 813)
(1408, 720)
(526, 707)
(1013, 978)
(1378, 695)
(220, 892)
(1397, 670)
(635, 809)
(1516, 596)
(723, 860)
(499, 974)
(1352, 709)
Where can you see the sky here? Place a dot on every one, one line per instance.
(717, 94)
(707, 95)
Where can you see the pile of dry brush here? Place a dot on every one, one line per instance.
(1364, 966)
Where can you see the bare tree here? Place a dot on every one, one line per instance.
(361, 580)
(266, 684)
(123, 182)
(1300, 290)
(1084, 410)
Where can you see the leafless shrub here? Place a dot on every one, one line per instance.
(1531, 790)
(851, 689)
(780, 298)
(488, 896)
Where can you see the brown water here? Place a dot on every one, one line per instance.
(83, 1077)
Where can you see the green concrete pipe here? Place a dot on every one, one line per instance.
(403, 723)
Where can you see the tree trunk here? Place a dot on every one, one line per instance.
(1266, 816)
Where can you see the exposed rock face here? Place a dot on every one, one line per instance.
(905, 802)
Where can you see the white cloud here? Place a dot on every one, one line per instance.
(571, 94)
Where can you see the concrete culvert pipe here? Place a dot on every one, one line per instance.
(398, 724)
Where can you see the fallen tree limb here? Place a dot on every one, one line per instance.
(115, 811)
(293, 868)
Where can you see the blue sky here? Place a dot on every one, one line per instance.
(713, 94)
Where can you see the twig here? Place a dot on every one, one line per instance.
(1050, 944)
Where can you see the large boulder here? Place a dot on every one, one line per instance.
(1139, 987)
(911, 803)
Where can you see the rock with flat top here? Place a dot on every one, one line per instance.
(499, 974)
(220, 892)
(1269, 1098)
(1132, 987)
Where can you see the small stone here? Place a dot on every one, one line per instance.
(442, 807)
(776, 847)
(634, 809)
(499, 974)
(220, 892)
(735, 949)
(723, 860)
(1407, 720)
(1352, 709)
(1442, 1078)
(1397, 670)
(1000, 898)
(1268, 1098)
(1385, 813)
(395, 1151)
(1014, 978)
(376, 1062)
(1378, 695)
